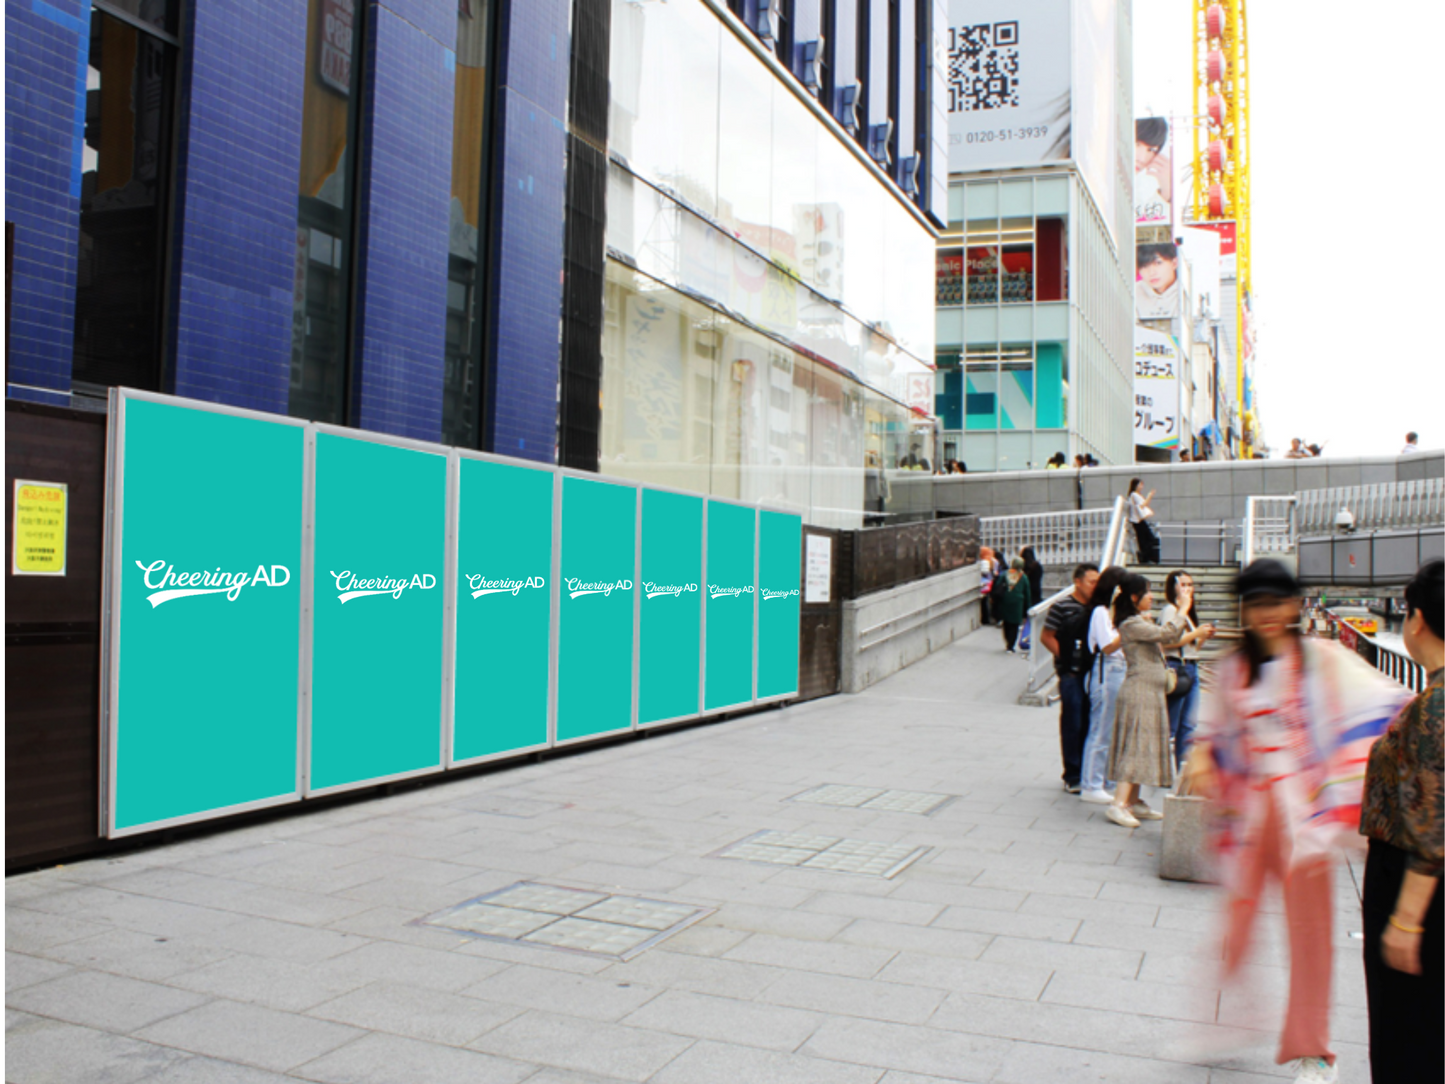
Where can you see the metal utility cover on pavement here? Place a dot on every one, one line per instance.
(805, 851)
(921, 802)
(574, 919)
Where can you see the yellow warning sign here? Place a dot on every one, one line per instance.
(38, 547)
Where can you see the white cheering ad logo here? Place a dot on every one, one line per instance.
(767, 594)
(577, 587)
(350, 587)
(653, 590)
(718, 591)
(480, 585)
(169, 583)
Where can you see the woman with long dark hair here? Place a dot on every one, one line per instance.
(1404, 817)
(1139, 515)
(1139, 747)
(1106, 675)
(1183, 660)
(1034, 570)
(1283, 732)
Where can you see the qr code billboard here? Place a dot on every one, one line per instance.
(983, 66)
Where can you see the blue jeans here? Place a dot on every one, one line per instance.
(1181, 717)
(1102, 692)
(1073, 724)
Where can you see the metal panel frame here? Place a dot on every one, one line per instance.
(564, 473)
(777, 698)
(407, 443)
(111, 613)
(702, 612)
(704, 710)
(450, 633)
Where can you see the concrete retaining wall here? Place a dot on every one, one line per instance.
(1184, 491)
(888, 630)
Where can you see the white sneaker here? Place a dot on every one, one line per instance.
(1144, 813)
(1314, 1071)
(1097, 797)
(1121, 816)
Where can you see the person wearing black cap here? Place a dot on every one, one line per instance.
(1283, 731)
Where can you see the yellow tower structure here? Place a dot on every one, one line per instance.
(1221, 156)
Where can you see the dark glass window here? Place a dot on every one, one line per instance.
(325, 222)
(464, 380)
(124, 187)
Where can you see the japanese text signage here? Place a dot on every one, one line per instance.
(338, 32)
(1157, 369)
(38, 545)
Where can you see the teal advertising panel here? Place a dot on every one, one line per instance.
(503, 607)
(595, 630)
(378, 600)
(207, 614)
(731, 532)
(670, 638)
(780, 569)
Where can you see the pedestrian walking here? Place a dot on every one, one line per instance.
(987, 570)
(1034, 570)
(1105, 676)
(1139, 747)
(1014, 605)
(1065, 636)
(1404, 817)
(1283, 733)
(1412, 443)
(1183, 659)
(1139, 515)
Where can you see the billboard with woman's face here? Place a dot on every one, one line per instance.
(1153, 172)
(1156, 281)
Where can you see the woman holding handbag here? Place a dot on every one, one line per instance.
(1183, 660)
(1139, 751)
(1013, 607)
(1284, 733)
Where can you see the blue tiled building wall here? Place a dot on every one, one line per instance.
(529, 206)
(46, 47)
(238, 165)
(405, 223)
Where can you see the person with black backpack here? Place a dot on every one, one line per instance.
(1066, 632)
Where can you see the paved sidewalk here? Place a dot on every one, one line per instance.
(1033, 943)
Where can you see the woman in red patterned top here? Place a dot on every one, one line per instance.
(1404, 816)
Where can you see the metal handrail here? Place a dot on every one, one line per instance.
(1390, 662)
(1265, 533)
(1041, 663)
(1374, 506)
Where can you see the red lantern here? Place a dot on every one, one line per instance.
(1216, 110)
(1214, 65)
(1216, 201)
(1214, 20)
(1217, 153)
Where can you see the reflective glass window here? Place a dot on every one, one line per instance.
(980, 397)
(124, 186)
(949, 285)
(1016, 396)
(325, 224)
(463, 380)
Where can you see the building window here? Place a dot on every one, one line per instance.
(124, 189)
(326, 214)
(1000, 260)
(950, 278)
(464, 380)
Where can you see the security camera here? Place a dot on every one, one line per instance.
(1345, 520)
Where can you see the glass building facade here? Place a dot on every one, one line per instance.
(1035, 354)
(686, 242)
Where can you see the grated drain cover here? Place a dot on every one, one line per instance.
(921, 802)
(553, 916)
(831, 853)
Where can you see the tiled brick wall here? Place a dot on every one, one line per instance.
(530, 111)
(405, 206)
(235, 226)
(46, 47)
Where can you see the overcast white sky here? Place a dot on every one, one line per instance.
(1348, 278)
